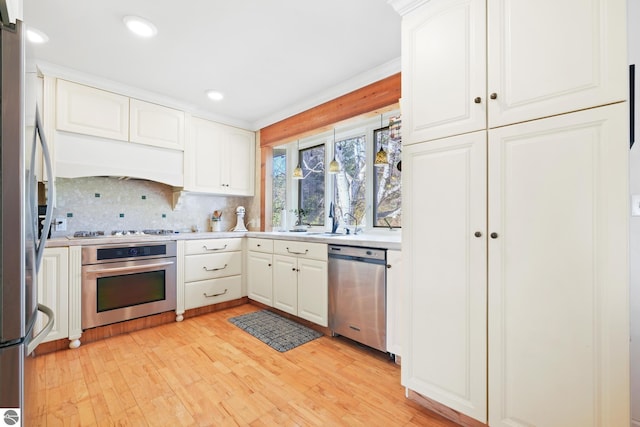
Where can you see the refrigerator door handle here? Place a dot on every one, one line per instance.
(44, 332)
(50, 188)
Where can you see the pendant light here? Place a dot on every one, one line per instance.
(334, 166)
(381, 156)
(297, 172)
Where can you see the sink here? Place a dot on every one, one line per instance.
(324, 233)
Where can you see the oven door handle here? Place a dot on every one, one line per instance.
(135, 267)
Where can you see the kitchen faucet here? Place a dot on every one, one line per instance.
(356, 229)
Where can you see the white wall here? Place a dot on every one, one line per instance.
(634, 224)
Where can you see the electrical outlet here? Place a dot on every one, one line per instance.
(60, 224)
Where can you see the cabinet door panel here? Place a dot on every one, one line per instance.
(575, 60)
(156, 125)
(444, 345)
(86, 110)
(259, 274)
(313, 291)
(285, 283)
(239, 159)
(53, 288)
(558, 305)
(443, 68)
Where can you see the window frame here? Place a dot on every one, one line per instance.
(367, 126)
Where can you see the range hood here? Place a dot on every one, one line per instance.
(82, 156)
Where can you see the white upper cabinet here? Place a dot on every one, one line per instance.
(442, 42)
(541, 58)
(156, 125)
(219, 159)
(91, 111)
(549, 57)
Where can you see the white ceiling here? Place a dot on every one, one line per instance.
(270, 58)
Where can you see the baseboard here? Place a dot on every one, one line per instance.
(445, 411)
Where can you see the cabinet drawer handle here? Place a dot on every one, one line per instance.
(215, 295)
(477, 234)
(206, 248)
(494, 235)
(214, 269)
(298, 253)
(477, 100)
(493, 96)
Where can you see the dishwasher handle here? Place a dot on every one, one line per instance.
(357, 253)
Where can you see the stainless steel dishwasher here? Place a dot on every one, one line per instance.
(357, 294)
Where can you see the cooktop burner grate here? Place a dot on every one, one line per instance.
(88, 234)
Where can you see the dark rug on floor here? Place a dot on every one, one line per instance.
(274, 330)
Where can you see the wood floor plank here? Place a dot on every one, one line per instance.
(205, 371)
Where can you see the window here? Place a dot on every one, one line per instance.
(387, 189)
(370, 196)
(350, 183)
(279, 185)
(311, 188)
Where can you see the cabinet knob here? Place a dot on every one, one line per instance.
(477, 100)
(493, 96)
(494, 235)
(478, 234)
(388, 265)
(268, 265)
(293, 269)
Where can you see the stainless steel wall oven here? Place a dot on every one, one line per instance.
(125, 281)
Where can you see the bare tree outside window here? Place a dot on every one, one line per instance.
(311, 188)
(350, 182)
(279, 184)
(387, 189)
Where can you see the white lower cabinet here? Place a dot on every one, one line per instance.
(445, 339)
(260, 270)
(53, 291)
(394, 302)
(290, 276)
(515, 256)
(212, 271)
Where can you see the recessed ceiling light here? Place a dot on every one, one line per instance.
(36, 36)
(215, 95)
(140, 26)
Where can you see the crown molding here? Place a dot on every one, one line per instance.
(403, 7)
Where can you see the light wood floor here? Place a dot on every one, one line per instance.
(206, 372)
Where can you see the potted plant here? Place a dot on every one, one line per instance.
(300, 220)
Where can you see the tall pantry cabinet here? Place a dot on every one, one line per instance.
(515, 209)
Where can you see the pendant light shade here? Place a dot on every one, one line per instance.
(297, 172)
(334, 166)
(381, 156)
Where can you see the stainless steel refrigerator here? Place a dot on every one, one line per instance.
(20, 249)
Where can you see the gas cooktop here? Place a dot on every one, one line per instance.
(118, 233)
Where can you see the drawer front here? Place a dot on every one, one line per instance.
(207, 292)
(301, 249)
(210, 246)
(212, 266)
(260, 245)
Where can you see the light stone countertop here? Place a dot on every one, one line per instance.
(390, 240)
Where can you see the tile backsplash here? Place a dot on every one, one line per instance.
(107, 204)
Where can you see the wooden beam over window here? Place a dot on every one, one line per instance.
(377, 95)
